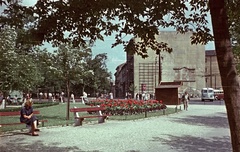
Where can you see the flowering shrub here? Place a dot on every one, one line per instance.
(126, 107)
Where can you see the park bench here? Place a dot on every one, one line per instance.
(96, 111)
(17, 113)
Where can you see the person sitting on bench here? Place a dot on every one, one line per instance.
(28, 118)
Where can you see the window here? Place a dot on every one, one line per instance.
(147, 76)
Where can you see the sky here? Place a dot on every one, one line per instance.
(116, 55)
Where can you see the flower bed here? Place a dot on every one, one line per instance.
(127, 107)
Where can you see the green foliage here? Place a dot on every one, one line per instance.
(87, 21)
(28, 70)
(46, 66)
(101, 77)
(70, 63)
(234, 24)
(18, 71)
(7, 59)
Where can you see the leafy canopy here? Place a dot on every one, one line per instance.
(234, 22)
(18, 70)
(85, 21)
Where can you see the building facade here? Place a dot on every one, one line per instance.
(186, 64)
(212, 74)
(120, 81)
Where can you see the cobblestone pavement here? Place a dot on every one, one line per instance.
(201, 128)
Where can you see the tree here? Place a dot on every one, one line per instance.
(27, 77)
(87, 74)
(228, 72)
(18, 71)
(101, 77)
(91, 20)
(46, 65)
(7, 58)
(70, 62)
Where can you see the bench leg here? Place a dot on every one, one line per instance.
(102, 119)
(81, 121)
(78, 121)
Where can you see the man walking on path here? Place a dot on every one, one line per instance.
(185, 100)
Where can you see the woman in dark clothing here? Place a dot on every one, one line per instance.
(28, 117)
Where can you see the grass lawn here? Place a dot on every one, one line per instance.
(56, 116)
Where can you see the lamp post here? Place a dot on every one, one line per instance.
(160, 68)
(155, 83)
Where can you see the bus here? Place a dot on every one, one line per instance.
(207, 94)
(218, 95)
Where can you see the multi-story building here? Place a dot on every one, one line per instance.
(186, 63)
(120, 81)
(212, 74)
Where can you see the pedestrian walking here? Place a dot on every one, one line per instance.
(84, 98)
(62, 97)
(111, 95)
(40, 96)
(72, 97)
(185, 99)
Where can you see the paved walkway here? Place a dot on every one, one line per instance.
(201, 128)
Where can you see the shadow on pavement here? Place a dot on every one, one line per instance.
(18, 145)
(208, 121)
(215, 102)
(196, 144)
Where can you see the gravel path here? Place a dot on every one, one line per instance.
(201, 128)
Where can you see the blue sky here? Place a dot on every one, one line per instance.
(116, 55)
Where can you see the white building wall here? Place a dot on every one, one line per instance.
(184, 55)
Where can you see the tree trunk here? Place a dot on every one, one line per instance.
(227, 69)
(68, 98)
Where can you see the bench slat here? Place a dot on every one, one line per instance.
(95, 116)
(20, 123)
(91, 109)
(10, 113)
(15, 113)
(9, 124)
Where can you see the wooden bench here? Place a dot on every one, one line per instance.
(17, 113)
(97, 114)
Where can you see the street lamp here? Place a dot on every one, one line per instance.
(156, 71)
(160, 68)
